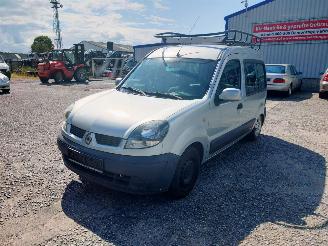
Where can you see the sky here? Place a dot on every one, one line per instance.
(124, 21)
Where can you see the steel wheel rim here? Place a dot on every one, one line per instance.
(257, 127)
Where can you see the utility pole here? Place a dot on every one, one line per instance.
(246, 5)
(56, 24)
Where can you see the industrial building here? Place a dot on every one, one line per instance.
(293, 31)
(105, 47)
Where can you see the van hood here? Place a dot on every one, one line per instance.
(116, 113)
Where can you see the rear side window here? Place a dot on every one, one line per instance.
(293, 70)
(275, 69)
(255, 77)
(231, 76)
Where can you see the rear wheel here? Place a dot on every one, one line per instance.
(300, 87)
(256, 132)
(186, 174)
(323, 95)
(59, 77)
(44, 80)
(290, 91)
(6, 91)
(80, 75)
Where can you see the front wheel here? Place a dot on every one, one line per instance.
(44, 80)
(59, 77)
(80, 75)
(6, 91)
(186, 174)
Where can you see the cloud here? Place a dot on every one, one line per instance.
(97, 20)
(158, 4)
(157, 20)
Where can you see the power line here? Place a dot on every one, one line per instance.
(56, 24)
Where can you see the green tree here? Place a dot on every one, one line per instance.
(42, 44)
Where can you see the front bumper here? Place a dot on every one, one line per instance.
(131, 174)
(278, 87)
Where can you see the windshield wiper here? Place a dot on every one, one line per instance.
(135, 90)
(164, 95)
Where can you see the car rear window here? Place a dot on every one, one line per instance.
(275, 69)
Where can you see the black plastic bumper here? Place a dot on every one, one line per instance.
(131, 174)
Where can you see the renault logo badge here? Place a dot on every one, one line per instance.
(88, 138)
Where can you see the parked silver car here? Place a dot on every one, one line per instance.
(4, 68)
(4, 83)
(283, 77)
(324, 85)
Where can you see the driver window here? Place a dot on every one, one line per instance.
(231, 76)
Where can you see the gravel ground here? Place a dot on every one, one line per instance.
(273, 191)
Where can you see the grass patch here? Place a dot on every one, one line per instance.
(25, 72)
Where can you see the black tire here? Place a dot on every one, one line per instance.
(256, 131)
(80, 75)
(6, 91)
(300, 87)
(186, 174)
(44, 80)
(323, 95)
(289, 92)
(59, 77)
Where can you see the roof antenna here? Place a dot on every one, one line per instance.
(192, 28)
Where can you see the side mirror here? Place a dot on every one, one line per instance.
(230, 94)
(118, 81)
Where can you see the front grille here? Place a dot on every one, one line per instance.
(78, 132)
(108, 140)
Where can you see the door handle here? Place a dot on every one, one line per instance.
(240, 106)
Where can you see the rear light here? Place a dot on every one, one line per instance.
(325, 78)
(279, 81)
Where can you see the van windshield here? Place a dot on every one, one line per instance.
(275, 69)
(176, 78)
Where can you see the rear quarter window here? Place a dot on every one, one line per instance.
(255, 77)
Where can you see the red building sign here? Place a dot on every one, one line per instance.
(296, 31)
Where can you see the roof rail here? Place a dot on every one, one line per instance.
(230, 37)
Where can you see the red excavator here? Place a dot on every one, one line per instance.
(64, 65)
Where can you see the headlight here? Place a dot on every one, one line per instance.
(147, 135)
(68, 110)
